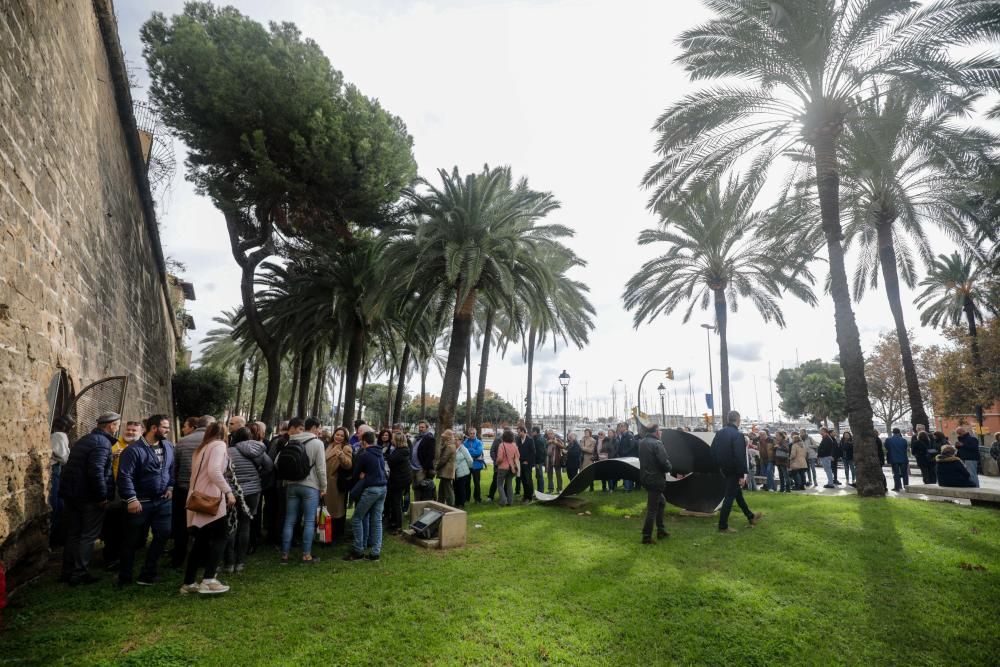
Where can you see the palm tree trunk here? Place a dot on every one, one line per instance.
(305, 375)
(340, 400)
(364, 385)
(321, 374)
(871, 481)
(461, 325)
(352, 370)
(423, 392)
(887, 259)
(531, 362)
(721, 322)
(484, 361)
(296, 367)
(239, 387)
(468, 379)
(977, 360)
(397, 409)
(253, 390)
(389, 398)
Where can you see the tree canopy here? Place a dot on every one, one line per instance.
(815, 389)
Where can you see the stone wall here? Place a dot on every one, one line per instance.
(82, 285)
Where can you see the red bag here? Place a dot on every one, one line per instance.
(324, 526)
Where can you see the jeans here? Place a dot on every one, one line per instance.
(733, 492)
(178, 527)
(540, 476)
(973, 468)
(628, 485)
(446, 491)
(156, 515)
(827, 462)
(784, 484)
(476, 493)
(850, 472)
(504, 484)
(900, 471)
(367, 520)
(306, 498)
(57, 531)
(835, 464)
(207, 545)
(463, 487)
(238, 543)
(799, 478)
(811, 467)
(83, 526)
(769, 476)
(527, 484)
(655, 504)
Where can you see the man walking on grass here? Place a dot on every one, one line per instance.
(653, 468)
(729, 447)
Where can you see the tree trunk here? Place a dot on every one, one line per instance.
(484, 361)
(461, 325)
(253, 390)
(321, 371)
(871, 481)
(887, 259)
(340, 400)
(977, 360)
(239, 388)
(531, 362)
(305, 376)
(352, 370)
(468, 379)
(423, 392)
(296, 368)
(389, 399)
(404, 364)
(721, 321)
(364, 385)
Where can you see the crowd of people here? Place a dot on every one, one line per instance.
(223, 489)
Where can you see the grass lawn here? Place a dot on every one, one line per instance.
(821, 581)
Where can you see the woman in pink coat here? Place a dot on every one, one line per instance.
(208, 531)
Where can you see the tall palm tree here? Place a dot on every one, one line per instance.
(954, 288)
(906, 164)
(715, 254)
(804, 64)
(476, 233)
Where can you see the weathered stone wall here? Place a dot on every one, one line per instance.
(80, 283)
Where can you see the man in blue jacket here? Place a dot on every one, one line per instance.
(369, 497)
(729, 447)
(146, 484)
(86, 488)
(968, 451)
(475, 447)
(895, 449)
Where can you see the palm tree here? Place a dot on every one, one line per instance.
(715, 253)
(906, 164)
(806, 63)
(475, 234)
(954, 288)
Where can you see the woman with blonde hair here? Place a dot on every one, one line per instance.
(339, 466)
(209, 498)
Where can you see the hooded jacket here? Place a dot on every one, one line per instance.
(475, 449)
(399, 468)
(87, 476)
(317, 460)
(653, 463)
(951, 471)
(372, 464)
(141, 476)
(252, 464)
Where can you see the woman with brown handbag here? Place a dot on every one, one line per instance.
(208, 500)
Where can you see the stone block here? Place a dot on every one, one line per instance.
(454, 523)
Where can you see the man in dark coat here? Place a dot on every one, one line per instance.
(924, 450)
(86, 488)
(968, 451)
(653, 467)
(541, 448)
(951, 470)
(895, 447)
(729, 447)
(526, 452)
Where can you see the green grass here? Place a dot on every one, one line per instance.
(821, 581)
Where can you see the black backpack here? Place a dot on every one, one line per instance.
(293, 463)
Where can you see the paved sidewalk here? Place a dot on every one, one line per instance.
(992, 483)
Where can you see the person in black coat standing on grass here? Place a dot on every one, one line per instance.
(653, 468)
(399, 481)
(526, 451)
(729, 447)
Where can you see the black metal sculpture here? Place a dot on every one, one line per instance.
(694, 485)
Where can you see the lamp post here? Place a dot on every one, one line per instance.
(711, 380)
(614, 398)
(663, 412)
(564, 381)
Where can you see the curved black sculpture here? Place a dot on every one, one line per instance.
(701, 489)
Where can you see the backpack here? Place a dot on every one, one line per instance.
(293, 463)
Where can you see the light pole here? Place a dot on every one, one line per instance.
(564, 381)
(711, 381)
(663, 412)
(614, 397)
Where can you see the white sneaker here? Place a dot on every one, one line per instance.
(212, 587)
(190, 588)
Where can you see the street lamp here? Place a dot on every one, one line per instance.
(564, 381)
(663, 412)
(711, 381)
(614, 398)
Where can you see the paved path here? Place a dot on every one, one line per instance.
(992, 483)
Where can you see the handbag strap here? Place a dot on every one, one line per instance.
(197, 472)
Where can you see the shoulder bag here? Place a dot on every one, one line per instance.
(198, 502)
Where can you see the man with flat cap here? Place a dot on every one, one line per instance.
(653, 468)
(86, 487)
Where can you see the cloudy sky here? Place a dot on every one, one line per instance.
(565, 92)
